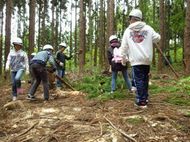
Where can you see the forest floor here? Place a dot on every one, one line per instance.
(71, 117)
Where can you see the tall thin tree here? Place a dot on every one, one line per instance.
(9, 7)
(31, 25)
(160, 64)
(1, 33)
(82, 47)
(186, 39)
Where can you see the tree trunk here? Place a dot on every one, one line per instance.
(162, 33)
(154, 19)
(32, 18)
(39, 26)
(101, 45)
(110, 25)
(186, 39)
(53, 25)
(76, 41)
(82, 46)
(8, 28)
(1, 36)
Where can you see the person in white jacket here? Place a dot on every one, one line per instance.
(137, 45)
(17, 63)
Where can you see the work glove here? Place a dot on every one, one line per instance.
(61, 64)
(124, 61)
(110, 69)
(7, 68)
(27, 72)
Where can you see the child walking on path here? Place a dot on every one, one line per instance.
(17, 62)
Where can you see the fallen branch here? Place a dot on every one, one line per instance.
(101, 132)
(120, 131)
(19, 136)
(27, 130)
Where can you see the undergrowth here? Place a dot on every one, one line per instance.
(98, 86)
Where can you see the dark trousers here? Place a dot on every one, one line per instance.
(39, 74)
(141, 78)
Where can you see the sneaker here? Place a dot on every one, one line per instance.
(30, 97)
(141, 105)
(14, 98)
(133, 89)
(46, 101)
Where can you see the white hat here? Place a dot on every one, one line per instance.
(112, 37)
(63, 44)
(47, 46)
(136, 13)
(17, 41)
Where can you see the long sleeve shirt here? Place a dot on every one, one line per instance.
(17, 60)
(137, 43)
(45, 56)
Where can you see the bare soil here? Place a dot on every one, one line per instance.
(71, 117)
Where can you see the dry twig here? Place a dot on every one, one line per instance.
(120, 131)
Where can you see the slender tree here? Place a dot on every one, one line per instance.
(9, 7)
(82, 47)
(186, 39)
(101, 45)
(162, 33)
(110, 24)
(32, 18)
(1, 34)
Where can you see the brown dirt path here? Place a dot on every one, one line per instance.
(73, 118)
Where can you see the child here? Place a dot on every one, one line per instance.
(115, 60)
(39, 71)
(17, 61)
(60, 62)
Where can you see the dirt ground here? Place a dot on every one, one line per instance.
(70, 117)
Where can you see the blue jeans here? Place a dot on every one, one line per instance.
(132, 78)
(60, 73)
(16, 80)
(114, 78)
(141, 78)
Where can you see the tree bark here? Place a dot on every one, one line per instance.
(1, 35)
(82, 46)
(186, 39)
(9, 7)
(32, 25)
(160, 64)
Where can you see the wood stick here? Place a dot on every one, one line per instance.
(120, 131)
(27, 130)
(157, 46)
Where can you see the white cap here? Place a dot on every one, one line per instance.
(136, 13)
(47, 46)
(17, 41)
(63, 44)
(112, 37)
